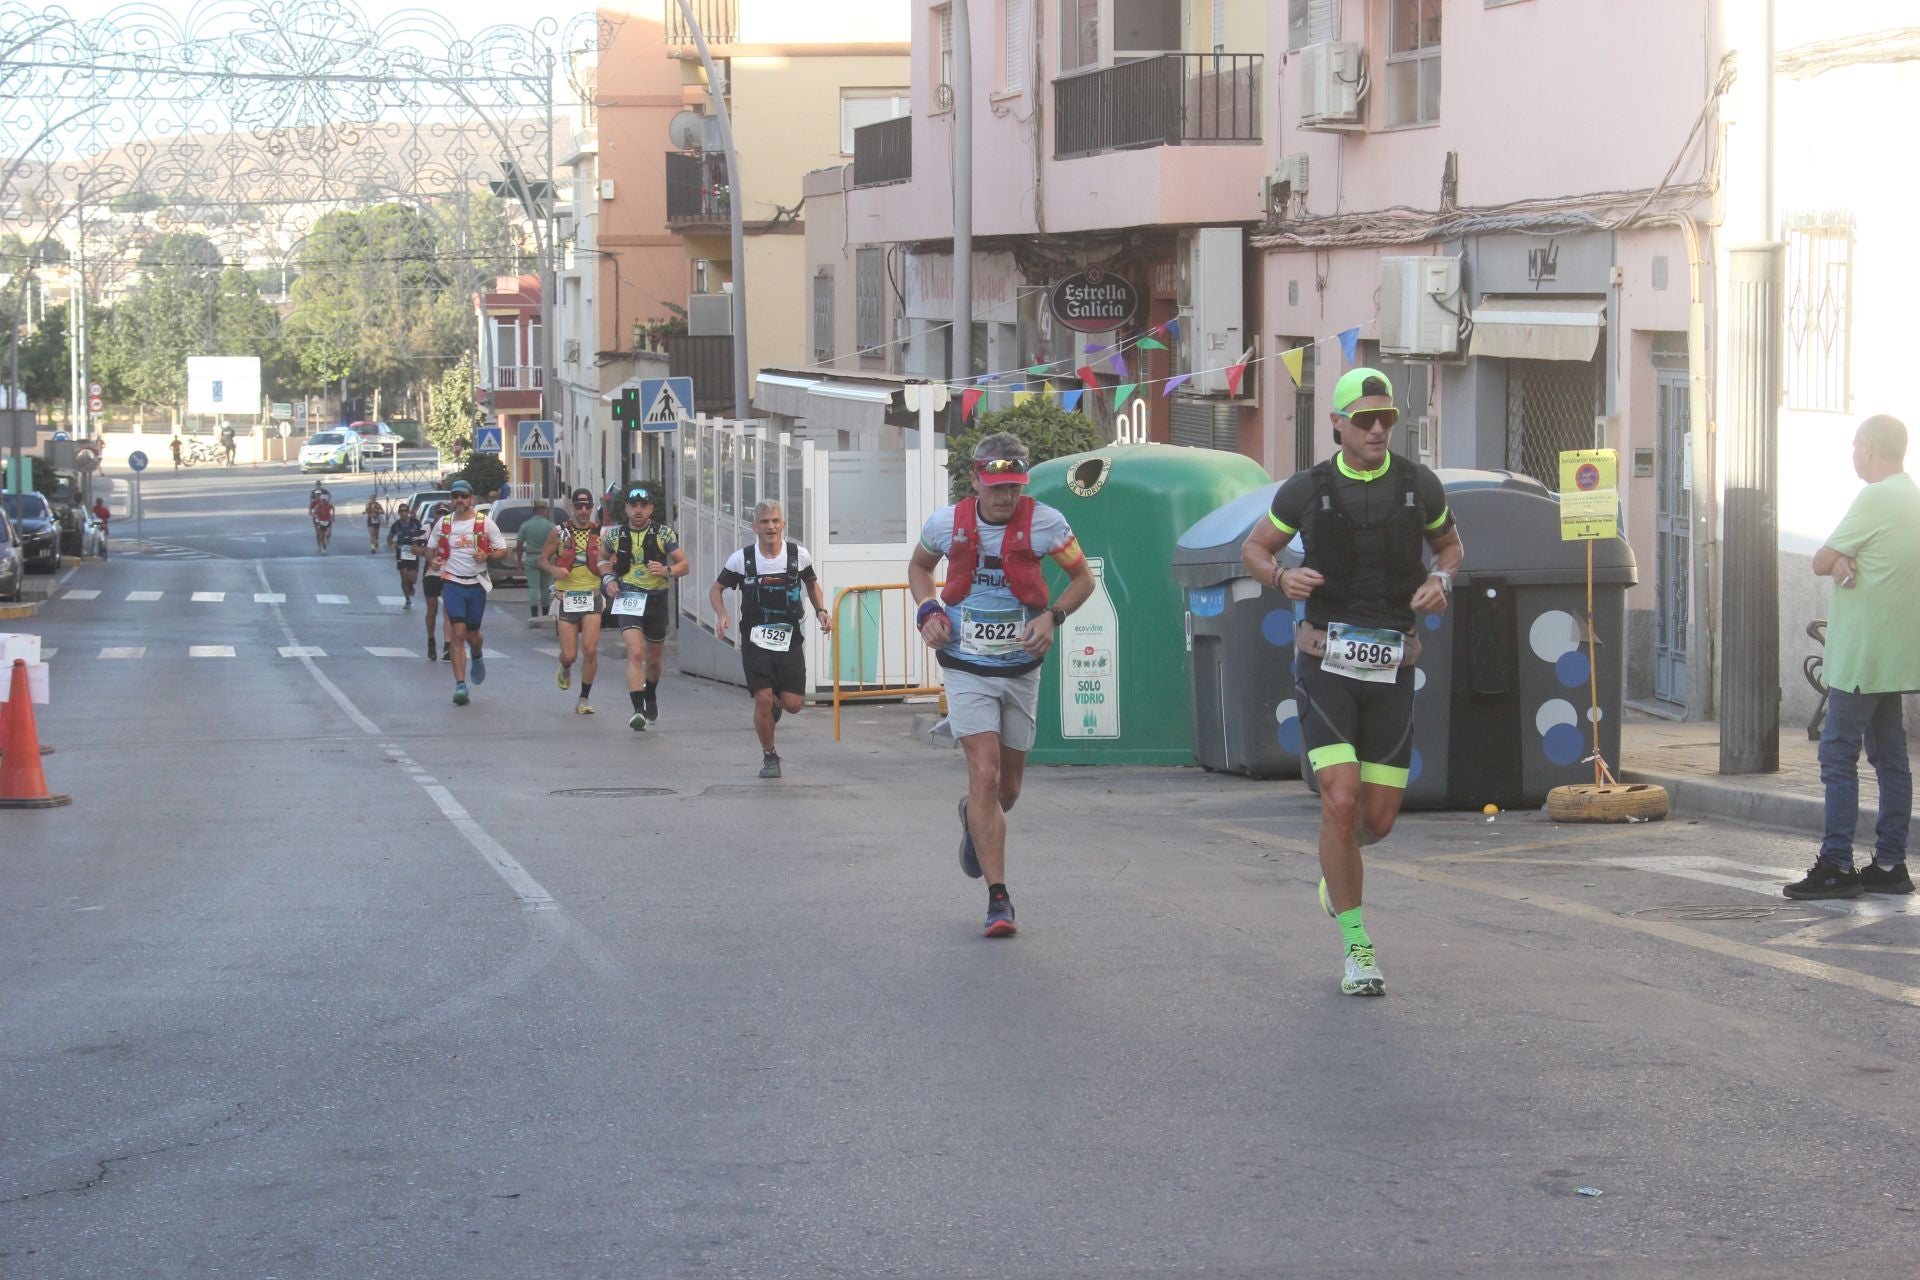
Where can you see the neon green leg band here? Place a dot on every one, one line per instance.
(1383, 775)
(1352, 931)
(1338, 753)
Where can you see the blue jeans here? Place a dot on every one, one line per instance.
(1875, 719)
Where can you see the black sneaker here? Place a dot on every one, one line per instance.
(969, 861)
(1000, 916)
(1825, 881)
(433, 654)
(1875, 878)
(649, 706)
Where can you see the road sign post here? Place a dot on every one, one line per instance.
(665, 403)
(487, 440)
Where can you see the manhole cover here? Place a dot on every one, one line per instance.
(1777, 915)
(612, 793)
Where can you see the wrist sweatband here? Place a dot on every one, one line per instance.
(927, 609)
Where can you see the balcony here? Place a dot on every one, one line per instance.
(697, 190)
(518, 377)
(883, 152)
(709, 362)
(719, 21)
(1177, 99)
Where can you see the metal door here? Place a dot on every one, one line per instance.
(1673, 525)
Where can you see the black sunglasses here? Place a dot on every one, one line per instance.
(1368, 419)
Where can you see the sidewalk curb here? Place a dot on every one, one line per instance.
(1694, 796)
(20, 609)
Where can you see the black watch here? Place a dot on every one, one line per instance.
(1059, 618)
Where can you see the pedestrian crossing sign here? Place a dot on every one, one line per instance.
(536, 439)
(486, 440)
(668, 402)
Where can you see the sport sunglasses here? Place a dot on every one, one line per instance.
(1001, 467)
(1368, 419)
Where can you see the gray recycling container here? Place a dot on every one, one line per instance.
(1240, 643)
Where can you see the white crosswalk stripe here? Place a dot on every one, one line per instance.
(144, 597)
(75, 593)
(379, 651)
(332, 600)
(269, 597)
(124, 651)
(210, 651)
(393, 600)
(301, 651)
(209, 597)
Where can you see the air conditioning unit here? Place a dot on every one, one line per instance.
(1420, 307)
(1290, 179)
(709, 315)
(1213, 311)
(1330, 84)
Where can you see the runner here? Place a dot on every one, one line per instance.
(405, 536)
(463, 544)
(645, 556)
(992, 625)
(431, 584)
(1364, 517)
(175, 447)
(770, 574)
(321, 509)
(571, 556)
(376, 515)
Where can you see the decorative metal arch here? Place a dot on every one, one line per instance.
(247, 121)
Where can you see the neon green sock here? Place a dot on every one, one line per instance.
(1352, 930)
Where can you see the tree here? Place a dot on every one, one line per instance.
(450, 408)
(484, 471)
(44, 370)
(1043, 426)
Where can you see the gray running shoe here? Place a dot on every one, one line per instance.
(769, 765)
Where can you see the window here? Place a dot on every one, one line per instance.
(1013, 46)
(943, 77)
(1079, 34)
(869, 309)
(1819, 313)
(1413, 63)
(1218, 30)
(823, 318)
(869, 106)
(506, 342)
(1311, 22)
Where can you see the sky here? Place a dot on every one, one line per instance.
(467, 16)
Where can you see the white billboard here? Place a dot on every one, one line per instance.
(223, 385)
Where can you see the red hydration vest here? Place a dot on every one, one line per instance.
(1017, 559)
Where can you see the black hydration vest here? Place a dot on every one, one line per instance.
(623, 559)
(1378, 563)
(770, 597)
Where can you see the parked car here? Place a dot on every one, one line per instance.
(336, 449)
(13, 568)
(36, 530)
(423, 502)
(377, 439)
(93, 536)
(407, 430)
(510, 514)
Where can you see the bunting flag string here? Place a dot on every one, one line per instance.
(1150, 344)
(969, 398)
(1070, 400)
(1120, 394)
(1173, 382)
(1021, 397)
(1294, 360)
(1088, 376)
(1349, 343)
(1235, 372)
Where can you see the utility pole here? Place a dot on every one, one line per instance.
(742, 388)
(962, 347)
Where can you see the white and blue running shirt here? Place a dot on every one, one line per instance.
(987, 623)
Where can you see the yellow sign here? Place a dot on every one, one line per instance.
(1589, 495)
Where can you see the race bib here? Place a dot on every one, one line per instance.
(631, 604)
(408, 554)
(773, 637)
(991, 631)
(577, 601)
(1373, 654)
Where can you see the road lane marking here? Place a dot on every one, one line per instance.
(143, 597)
(209, 597)
(124, 651)
(332, 600)
(392, 600)
(533, 896)
(77, 593)
(268, 597)
(210, 651)
(380, 651)
(302, 651)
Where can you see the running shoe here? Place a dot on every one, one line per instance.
(479, 667)
(1825, 881)
(565, 677)
(1362, 976)
(649, 706)
(446, 654)
(637, 722)
(969, 862)
(1875, 878)
(583, 708)
(769, 765)
(460, 693)
(408, 603)
(433, 654)
(1000, 916)
(1326, 904)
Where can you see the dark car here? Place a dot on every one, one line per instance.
(36, 529)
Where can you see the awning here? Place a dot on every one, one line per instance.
(1538, 328)
(825, 402)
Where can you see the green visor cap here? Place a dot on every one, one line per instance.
(1357, 384)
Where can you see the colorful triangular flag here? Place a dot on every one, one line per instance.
(1021, 397)
(1172, 327)
(1088, 376)
(1070, 400)
(1173, 382)
(1235, 372)
(969, 398)
(1117, 364)
(1151, 344)
(1038, 370)
(1121, 392)
(1292, 359)
(1349, 343)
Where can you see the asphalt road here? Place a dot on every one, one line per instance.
(321, 976)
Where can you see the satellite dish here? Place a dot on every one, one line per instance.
(687, 130)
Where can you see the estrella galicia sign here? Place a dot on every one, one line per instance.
(1095, 301)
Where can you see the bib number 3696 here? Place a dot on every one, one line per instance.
(1373, 654)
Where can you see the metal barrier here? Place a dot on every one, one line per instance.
(868, 690)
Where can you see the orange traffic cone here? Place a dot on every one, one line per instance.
(22, 783)
(44, 750)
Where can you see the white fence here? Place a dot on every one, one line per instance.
(858, 512)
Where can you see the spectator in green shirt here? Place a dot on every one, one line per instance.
(1872, 658)
(534, 534)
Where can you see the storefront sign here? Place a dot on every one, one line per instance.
(1095, 301)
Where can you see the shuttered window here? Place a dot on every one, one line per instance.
(1013, 46)
(869, 314)
(823, 318)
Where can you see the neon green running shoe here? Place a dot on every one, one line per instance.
(1362, 976)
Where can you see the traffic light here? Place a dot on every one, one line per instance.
(627, 407)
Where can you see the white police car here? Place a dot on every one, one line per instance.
(336, 449)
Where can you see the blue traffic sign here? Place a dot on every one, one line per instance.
(536, 439)
(137, 460)
(665, 403)
(61, 435)
(486, 440)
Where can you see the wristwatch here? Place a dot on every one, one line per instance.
(1059, 618)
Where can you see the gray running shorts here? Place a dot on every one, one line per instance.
(993, 704)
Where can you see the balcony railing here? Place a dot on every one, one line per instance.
(518, 377)
(883, 152)
(719, 21)
(1176, 99)
(696, 187)
(709, 362)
